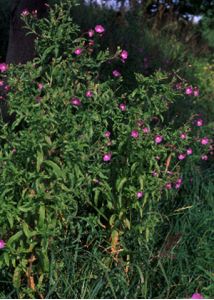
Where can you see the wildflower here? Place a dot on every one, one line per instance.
(3, 67)
(99, 29)
(199, 122)
(122, 106)
(107, 157)
(124, 54)
(91, 33)
(76, 101)
(178, 183)
(145, 129)
(7, 88)
(40, 86)
(189, 151)
(25, 13)
(204, 141)
(183, 136)
(196, 92)
(168, 185)
(78, 51)
(204, 157)
(1, 82)
(34, 13)
(154, 173)
(140, 123)
(2, 244)
(197, 296)
(188, 90)
(158, 139)
(181, 156)
(116, 73)
(89, 93)
(107, 134)
(139, 194)
(91, 43)
(135, 134)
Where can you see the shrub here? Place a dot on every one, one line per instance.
(84, 149)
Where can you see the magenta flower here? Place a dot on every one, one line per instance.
(91, 43)
(158, 139)
(178, 183)
(181, 156)
(204, 141)
(139, 194)
(168, 185)
(116, 73)
(76, 101)
(124, 54)
(204, 157)
(107, 157)
(107, 134)
(2, 244)
(183, 136)
(199, 122)
(89, 94)
(7, 88)
(78, 51)
(196, 92)
(189, 151)
(91, 33)
(135, 134)
(3, 67)
(1, 82)
(154, 173)
(25, 13)
(122, 106)
(145, 129)
(40, 86)
(99, 29)
(197, 296)
(188, 90)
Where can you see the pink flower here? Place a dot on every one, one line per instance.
(91, 43)
(76, 101)
(25, 13)
(204, 141)
(199, 122)
(178, 183)
(168, 186)
(124, 54)
(122, 106)
(204, 157)
(3, 67)
(116, 73)
(7, 88)
(197, 296)
(183, 136)
(188, 90)
(139, 195)
(140, 123)
(78, 51)
(1, 82)
(99, 29)
(181, 156)
(2, 244)
(107, 134)
(89, 93)
(40, 86)
(196, 92)
(135, 134)
(189, 151)
(158, 139)
(146, 130)
(154, 173)
(91, 33)
(107, 157)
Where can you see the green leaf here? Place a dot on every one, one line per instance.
(40, 158)
(41, 216)
(56, 169)
(14, 238)
(120, 183)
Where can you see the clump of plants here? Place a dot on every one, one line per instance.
(84, 147)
